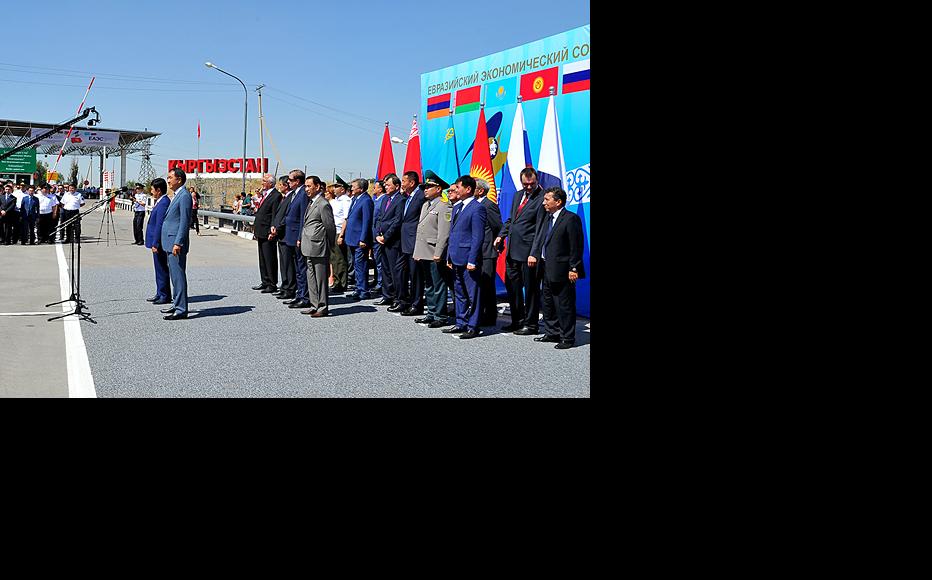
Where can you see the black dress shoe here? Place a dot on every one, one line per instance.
(176, 316)
(526, 331)
(300, 304)
(439, 324)
(167, 310)
(160, 302)
(153, 299)
(382, 302)
(365, 296)
(511, 327)
(259, 287)
(412, 312)
(470, 333)
(547, 338)
(336, 289)
(396, 307)
(454, 330)
(353, 298)
(564, 345)
(425, 320)
(309, 312)
(288, 296)
(269, 290)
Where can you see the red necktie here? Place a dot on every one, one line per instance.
(523, 202)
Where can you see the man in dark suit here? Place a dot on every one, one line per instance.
(357, 232)
(9, 216)
(488, 314)
(154, 242)
(394, 263)
(558, 253)
(30, 211)
(289, 286)
(262, 232)
(464, 252)
(414, 199)
(522, 283)
(294, 223)
(175, 236)
(377, 195)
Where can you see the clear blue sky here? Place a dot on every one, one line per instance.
(359, 61)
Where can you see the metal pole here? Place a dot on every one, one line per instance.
(261, 128)
(245, 119)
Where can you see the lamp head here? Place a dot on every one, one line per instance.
(209, 64)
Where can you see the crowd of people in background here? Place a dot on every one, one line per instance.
(29, 215)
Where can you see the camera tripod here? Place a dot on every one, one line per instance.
(107, 219)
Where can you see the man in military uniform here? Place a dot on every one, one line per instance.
(430, 249)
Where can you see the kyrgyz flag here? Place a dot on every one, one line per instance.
(481, 166)
(413, 155)
(386, 157)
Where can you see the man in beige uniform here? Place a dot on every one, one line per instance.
(430, 250)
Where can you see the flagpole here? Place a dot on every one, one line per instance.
(456, 152)
(197, 170)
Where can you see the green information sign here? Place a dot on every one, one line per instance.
(22, 162)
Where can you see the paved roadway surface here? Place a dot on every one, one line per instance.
(239, 343)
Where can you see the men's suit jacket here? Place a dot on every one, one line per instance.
(320, 231)
(564, 246)
(294, 216)
(262, 227)
(156, 219)
(520, 228)
(376, 216)
(467, 230)
(177, 221)
(7, 203)
(359, 222)
(410, 220)
(390, 225)
(433, 231)
(30, 209)
(278, 221)
(493, 225)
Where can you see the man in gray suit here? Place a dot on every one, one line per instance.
(317, 239)
(175, 236)
(430, 250)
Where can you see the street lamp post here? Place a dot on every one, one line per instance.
(245, 118)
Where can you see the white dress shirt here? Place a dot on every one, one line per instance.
(46, 203)
(340, 207)
(71, 201)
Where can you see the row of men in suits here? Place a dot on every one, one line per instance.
(22, 212)
(425, 246)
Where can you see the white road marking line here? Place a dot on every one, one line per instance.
(47, 313)
(80, 381)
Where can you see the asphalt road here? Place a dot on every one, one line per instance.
(239, 343)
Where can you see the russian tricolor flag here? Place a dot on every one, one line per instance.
(438, 106)
(576, 77)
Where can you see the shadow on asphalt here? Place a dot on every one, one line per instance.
(225, 311)
(206, 298)
(351, 310)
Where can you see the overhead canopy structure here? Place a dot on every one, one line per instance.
(12, 133)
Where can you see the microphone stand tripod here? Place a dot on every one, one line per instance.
(80, 305)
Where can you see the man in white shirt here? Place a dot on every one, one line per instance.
(48, 212)
(340, 204)
(139, 213)
(71, 202)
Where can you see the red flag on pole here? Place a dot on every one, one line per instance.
(481, 166)
(413, 155)
(198, 129)
(386, 157)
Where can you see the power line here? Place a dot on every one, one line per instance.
(106, 88)
(107, 76)
(323, 115)
(368, 119)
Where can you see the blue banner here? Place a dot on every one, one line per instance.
(560, 62)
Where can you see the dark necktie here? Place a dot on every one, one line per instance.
(456, 212)
(543, 251)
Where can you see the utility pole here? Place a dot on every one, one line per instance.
(261, 128)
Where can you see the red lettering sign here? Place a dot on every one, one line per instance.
(250, 166)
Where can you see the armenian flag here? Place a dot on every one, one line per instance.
(438, 106)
